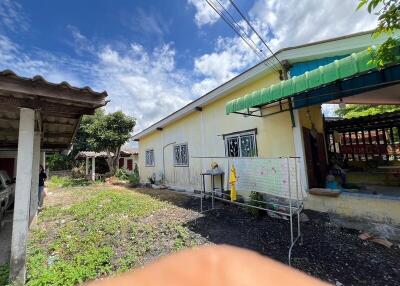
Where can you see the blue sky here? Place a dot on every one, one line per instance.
(152, 56)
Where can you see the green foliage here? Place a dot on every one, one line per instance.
(256, 199)
(56, 181)
(109, 131)
(4, 272)
(388, 21)
(134, 178)
(358, 110)
(122, 174)
(97, 236)
(58, 162)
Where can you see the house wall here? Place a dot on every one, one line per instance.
(203, 130)
(134, 158)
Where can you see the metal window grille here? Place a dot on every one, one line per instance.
(181, 157)
(150, 158)
(241, 145)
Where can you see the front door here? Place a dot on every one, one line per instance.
(315, 156)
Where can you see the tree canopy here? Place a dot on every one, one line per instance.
(358, 110)
(108, 132)
(388, 12)
(99, 132)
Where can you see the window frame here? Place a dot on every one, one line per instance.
(238, 135)
(181, 164)
(145, 158)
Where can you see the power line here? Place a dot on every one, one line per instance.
(265, 58)
(244, 37)
(255, 31)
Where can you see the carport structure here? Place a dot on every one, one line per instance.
(36, 116)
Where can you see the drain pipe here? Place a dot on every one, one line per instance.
(163, 160)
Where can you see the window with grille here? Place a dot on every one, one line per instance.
(241, 144)
(149, 158)
(181, 157)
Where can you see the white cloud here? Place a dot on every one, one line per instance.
(12, 16)
(146, 85)
(298, 22)
(205, 14)
(80, 43)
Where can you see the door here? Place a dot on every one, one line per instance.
(312, 180)
(129, 161)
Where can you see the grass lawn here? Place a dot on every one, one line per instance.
(93, 231)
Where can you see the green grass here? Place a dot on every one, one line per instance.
(4, 271)
(56, 181)
(102, 233)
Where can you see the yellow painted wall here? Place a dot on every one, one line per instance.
(203, 132)
(312, 114)
(363, 207)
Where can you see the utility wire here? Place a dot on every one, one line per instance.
(265, 58)
(255, 31)
(245, 38)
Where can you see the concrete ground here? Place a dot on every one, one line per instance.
(5, 238)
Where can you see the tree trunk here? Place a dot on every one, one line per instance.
(110, 162)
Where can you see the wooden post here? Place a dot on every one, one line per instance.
(93, 168)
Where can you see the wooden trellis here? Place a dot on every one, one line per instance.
(365, 138)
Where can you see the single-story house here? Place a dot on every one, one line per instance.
(258, 114)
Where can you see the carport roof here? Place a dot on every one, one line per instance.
(355, 64)
(59, 108)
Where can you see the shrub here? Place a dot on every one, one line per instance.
(256, 199)
(134, 178)
(78, 172)
(121, 174)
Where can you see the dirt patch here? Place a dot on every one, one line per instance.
(330, 253)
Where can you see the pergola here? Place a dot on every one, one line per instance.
(91, 155)
(36, 116)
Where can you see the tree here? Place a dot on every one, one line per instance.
(108, 132)
(357, 110)
(388, 21)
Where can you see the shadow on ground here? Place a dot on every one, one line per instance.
(328, 252)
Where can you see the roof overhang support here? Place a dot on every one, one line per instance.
(291, 112)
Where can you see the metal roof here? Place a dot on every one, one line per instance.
(59, 108)
(352, 65)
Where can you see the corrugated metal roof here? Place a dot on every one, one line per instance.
(38, 79)
(354, 64)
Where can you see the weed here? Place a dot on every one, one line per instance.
(4, 272)
(90, 237)
(56, 181)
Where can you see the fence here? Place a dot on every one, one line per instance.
(277, 180)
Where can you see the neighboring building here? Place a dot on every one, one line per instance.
(175, 147)
(128, 158)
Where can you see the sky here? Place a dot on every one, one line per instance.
(155, 56)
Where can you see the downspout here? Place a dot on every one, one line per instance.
(163, 160)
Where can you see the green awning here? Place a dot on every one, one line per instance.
(339, 69)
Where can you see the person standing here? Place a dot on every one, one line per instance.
(42, 178)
